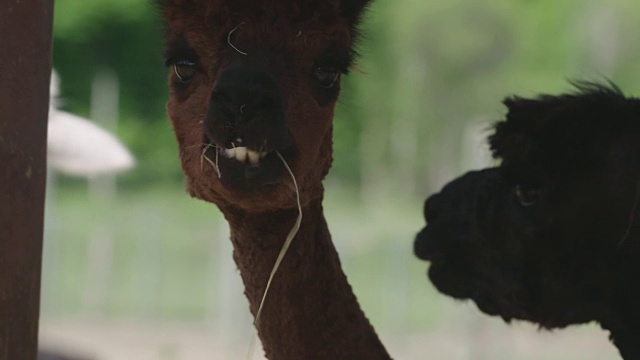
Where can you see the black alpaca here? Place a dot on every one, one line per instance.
(552, 235)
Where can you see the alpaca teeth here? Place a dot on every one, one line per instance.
(229, 153)
(254, 157)
(241, 154)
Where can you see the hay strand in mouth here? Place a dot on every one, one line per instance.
(203, 157)
(283, 251)
(287, 242)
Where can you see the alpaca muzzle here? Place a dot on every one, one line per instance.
(246, 118)
(244, 128)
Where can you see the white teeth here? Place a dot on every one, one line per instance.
(254, 157)
(243, 154)
(229, 153)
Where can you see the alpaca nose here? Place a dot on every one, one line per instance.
(247, 104)
(243, 94)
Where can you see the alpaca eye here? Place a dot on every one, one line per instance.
(185, 70)
(326, 76)
(527, 196)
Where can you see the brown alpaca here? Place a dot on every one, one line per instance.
(252, 80)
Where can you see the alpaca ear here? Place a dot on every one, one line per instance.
(510, 143)
(519, 152)
(353, 10)
(514, 135)
(516, 141)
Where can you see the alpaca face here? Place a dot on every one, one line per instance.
(471, 256)
(537, 238)
(250, 80)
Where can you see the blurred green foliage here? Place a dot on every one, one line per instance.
(431, 68)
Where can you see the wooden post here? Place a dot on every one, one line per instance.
(25, 68)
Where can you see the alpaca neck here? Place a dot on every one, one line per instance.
(310, 311)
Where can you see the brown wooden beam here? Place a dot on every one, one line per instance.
(25, 68)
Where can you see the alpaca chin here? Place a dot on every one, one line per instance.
(244, 185)
(248, 171)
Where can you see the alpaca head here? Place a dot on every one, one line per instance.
(250, 79)
(538, 238)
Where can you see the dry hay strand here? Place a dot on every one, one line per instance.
(204, 157)
(283, 251)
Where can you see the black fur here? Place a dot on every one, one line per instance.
(353, 10)
(571, 254)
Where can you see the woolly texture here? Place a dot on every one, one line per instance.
(552, 235)
(254, 86)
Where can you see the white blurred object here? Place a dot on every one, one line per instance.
(76, 146)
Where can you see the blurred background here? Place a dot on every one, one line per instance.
(136, 269)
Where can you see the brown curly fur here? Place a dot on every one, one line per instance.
(311, 311)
